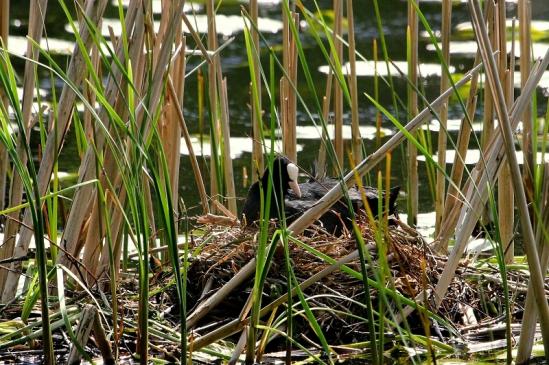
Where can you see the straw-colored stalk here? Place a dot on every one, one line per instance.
(90, 95)
(257, 125)
(170, 128)
(288, 96)
(524, 11)
(488, 124)
(175, 121)
(283, 84)
(188, 142)
(85, 196)
(212, 90)
(292, 97)
(4, 34)
(506, 206)
(196, 38)
(338, 92)
(442, 137)
(94, 240)
(488, 105)
(94, 11)
(355, 123)
(528, 327)
(171, 29)
(226, 136)
(530, 318)
(36, 22)
(453, 201)
(321, 165)
(4, 20)
(227, 160)
(412, 52)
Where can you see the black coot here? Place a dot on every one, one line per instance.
(284, 177)
(306, 195)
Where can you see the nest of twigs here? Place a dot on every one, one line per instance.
(228, 249)
(413, 268)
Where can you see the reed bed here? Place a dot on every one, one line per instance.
(118, 256)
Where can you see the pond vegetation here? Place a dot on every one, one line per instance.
(130, 132)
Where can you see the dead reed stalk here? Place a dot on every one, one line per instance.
(524, 10)
(288, 97)
(355, 123)
(214, 103)
(453, 194)
(506, 206)
(528, 327)
(338, 91)
(4, 35)
(36, 25)
(225, 130)
(85, 197)
(412, 52)
(94, 11)
(442, 137)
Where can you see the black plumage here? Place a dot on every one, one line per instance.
(282, 182)
(299, 200)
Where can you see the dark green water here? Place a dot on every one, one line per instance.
(235, 68)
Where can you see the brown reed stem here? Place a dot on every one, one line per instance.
(528, 327)
(442, 137)
(452, 196)
(288, 94)
(413, 194)
(227, 160)
(321, 165)
(338, 92)
(214, 104)
(85, 196)
(4, 35)
(355, 123)
(36, 25)
(506, 206)
(524, 11)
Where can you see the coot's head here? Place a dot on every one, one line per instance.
(285, 175)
